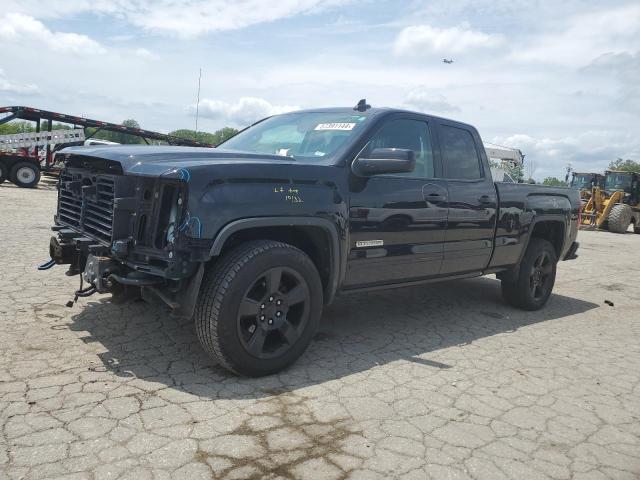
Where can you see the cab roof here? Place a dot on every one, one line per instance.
(375, 111)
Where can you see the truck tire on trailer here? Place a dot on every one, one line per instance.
(619, 218)
(259, 307)
(4, 174)
(25, 174)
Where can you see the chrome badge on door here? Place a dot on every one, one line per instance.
(369, 243)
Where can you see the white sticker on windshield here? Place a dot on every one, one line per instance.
(335, 126)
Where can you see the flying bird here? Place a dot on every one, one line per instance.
(447, 60)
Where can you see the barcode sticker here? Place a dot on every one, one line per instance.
(335, 126)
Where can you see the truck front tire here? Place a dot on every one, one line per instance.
(25, 174)
(259, 307)
(532, 286)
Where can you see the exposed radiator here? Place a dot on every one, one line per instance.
(86, 203)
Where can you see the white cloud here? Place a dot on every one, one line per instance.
(420, 39)
(587, 151)
(585, 37)
(623, 70)
(245, 111)
(185, 18)
(9, 86)
(19, 28)
(428, 101)
(146, 54)
(192, 18)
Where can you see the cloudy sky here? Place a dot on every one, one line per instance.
(559, 80)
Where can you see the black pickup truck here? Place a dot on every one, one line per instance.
(251, 239)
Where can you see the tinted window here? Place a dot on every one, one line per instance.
(461, 158)
(409, 134)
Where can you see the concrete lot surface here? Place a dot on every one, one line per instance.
(438, 381)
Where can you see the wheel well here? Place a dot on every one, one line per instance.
(314, 241)
(552, 231)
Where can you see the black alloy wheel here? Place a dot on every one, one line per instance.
(540, 274)
(530, 285)
(259, 306)
(273, 312)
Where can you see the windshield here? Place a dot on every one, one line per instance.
(304, 136)
(580, 182)
(618, 181)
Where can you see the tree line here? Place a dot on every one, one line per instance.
(211, 138)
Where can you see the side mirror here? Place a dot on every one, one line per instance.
(385, 160)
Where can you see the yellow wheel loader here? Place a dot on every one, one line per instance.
(585, 182)
(616, 206)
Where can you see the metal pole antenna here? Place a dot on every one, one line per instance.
(198, 104)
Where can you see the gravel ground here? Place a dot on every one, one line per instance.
(436, 381)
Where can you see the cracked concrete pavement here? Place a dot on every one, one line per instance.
(436, 381)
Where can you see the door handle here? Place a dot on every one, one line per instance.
(486, 199)
(435, 197)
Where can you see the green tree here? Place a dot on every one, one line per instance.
(20, 126)
(624, 165)
(23, 126)
(515, 170)
(224, 134)
(118, 137)
(125, 138)
(553, 182)
(215, 138)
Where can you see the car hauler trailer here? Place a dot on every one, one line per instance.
(23, 156)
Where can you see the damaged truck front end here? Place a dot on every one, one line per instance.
(129, 235)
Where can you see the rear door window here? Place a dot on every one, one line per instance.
(461, 159)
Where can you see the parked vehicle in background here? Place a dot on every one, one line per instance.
(96, 141)
(500, 175)
(616, 206)
(585, 183)
(252, 239)
(23, 156)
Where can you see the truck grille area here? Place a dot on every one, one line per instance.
(85, 202)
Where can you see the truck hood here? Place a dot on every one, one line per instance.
(156, 160)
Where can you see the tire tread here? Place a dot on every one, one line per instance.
(516, 292)
(619, 218)
(215, 287)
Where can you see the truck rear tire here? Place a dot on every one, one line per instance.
(25, 174)
(259, 307)
(620, 218)
(532, 287)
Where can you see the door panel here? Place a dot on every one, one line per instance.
(397, 221)
(402, 221)
(470, 228)
(472, 201)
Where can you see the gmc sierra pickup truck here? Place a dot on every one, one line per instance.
(252, 238)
